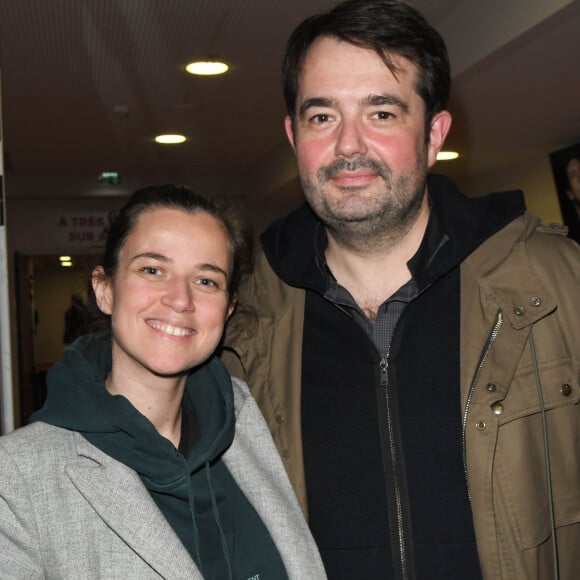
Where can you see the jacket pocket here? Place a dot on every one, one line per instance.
(520, 472)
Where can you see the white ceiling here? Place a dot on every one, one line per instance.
(67, 65)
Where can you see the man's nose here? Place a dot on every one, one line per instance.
(350, 138)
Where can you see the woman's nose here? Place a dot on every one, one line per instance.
(179, 295)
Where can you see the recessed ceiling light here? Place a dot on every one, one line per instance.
(66, 264)
(207, 67)
(65, 258)
(447, 155)
(169, 139)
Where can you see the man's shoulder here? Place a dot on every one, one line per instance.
(527, 243)
(534, 233)
(554, 234)
(263, 288)
(551, 228)
(264, 302)
(548, 239)
(554, 254)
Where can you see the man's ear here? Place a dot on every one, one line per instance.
(289, 126)
(102, 289)
(440, 125)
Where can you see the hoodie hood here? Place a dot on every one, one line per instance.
(196, 493)
(187, 490)
(78, 400)
(464, 223)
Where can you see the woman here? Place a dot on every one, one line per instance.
(134, 467)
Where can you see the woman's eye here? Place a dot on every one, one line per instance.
(207, 282)
(151, 270)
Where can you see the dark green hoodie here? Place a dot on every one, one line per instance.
(196, 493)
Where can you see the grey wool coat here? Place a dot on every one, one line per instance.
(69, 511)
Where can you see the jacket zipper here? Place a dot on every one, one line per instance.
(482, 359)
(384, 365)
(401, 535)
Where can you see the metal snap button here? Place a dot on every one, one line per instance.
(480, 425)
(566, 389)
(535, 301)
(519, 310)
(491, 387)
(497, 408)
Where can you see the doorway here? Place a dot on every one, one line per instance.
(43, 294)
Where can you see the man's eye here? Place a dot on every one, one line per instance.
(320, 119)
(151, 270)
(383, 115)
(207, 282)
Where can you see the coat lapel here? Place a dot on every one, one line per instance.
(121, 500)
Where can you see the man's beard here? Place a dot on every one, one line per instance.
(382, 219)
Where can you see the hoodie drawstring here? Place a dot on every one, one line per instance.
(195, 530)
(217, 519)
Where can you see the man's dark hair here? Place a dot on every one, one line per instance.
(389, 27)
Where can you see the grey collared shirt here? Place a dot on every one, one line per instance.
(381, 330)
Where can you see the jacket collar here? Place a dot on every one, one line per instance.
(511, 283)
(118, 497)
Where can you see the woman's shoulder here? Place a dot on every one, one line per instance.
(37, 442)
(241, 393)
(249, 418)
(34, 431)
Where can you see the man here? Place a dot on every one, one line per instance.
(573, 194)
(76, 319)
(573, 174)
(412, 348)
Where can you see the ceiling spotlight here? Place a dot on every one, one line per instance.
(207, 67)
(169, 139)
(66, 264)
(447, 155)
(65, 258)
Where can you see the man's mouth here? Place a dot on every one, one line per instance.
(352, 172)
(353, 179)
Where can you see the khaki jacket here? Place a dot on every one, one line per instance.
(520, 295)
